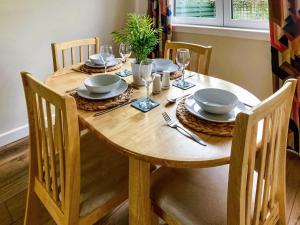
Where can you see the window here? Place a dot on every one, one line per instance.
(229, 13)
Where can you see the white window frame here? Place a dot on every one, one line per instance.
(229, 22)
(218, 21)
(223, 18)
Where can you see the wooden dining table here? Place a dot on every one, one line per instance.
(146, 139)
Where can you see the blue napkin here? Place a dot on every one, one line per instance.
(136, 104)
(187, 85)
(124, 73)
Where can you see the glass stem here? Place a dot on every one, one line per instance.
(148, 94)
(105, 65)
(183, 75)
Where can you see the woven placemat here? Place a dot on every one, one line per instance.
(175, 75)
(203, 126)
(87, 69)
(98, 105)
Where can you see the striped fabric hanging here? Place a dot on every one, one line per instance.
(285, 49)
(160, 12)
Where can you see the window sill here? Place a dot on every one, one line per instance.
(253, 34)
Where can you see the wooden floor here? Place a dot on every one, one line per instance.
(13, 184)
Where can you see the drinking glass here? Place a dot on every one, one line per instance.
(145, 71)
(106, 53)
(125, 51)
(183, 60)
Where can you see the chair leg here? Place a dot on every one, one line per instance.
(32, 208)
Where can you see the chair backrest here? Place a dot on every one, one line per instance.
(256, 187)
(200, 55)
(54, 148)
(69, 47)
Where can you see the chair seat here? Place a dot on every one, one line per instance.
(192, 196)
(104, 174)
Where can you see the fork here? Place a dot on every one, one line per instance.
(174, 125)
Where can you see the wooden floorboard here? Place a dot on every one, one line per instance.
(13, 184)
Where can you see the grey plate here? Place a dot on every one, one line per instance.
(192, 106)
(112, 62)
(172, 68)
(84, 93)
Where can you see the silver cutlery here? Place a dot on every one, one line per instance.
(173, 100)
(116, 107)
(174, 125)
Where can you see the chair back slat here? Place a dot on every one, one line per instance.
(256, 187)
(45, 152)
(54, 137)
(200, 54)
(73, 45)
(52, 158)
(60, 149)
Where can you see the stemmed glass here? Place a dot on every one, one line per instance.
(183, 60)
(106, 53)
(125, 51)
(145, 71)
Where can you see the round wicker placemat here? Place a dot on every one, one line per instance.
(97, 105)
(175, 75)
(87, 69)
(203, 126)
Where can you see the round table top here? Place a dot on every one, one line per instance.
(146, 136)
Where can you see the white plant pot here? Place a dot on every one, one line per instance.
(136, 68)
(137, 80)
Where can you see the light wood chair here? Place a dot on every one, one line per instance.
(236, 194)
(76, 178)
(92, 45)
(200, 55)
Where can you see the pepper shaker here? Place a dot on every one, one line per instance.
(156, 87)
(166, 80)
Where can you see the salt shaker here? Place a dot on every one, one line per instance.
(156, 87)
(166, 80)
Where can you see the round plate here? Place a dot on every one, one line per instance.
(112, 62)
(192, 106)
(172, 68)
(84, 93)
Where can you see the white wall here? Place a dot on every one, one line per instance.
(26, 30)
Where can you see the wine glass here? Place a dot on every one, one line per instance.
(183, 60)
(125, 51)
(106, 53)
(145, 71)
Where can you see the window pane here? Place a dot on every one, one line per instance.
(195, 8)
(250, 9)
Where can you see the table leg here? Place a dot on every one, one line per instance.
(139, 192)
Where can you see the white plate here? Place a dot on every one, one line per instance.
(112, 62)
(192, 106)
(172, 68)
(84, 93)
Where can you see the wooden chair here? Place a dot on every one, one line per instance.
(199, 63)
(236, 194)
(72, 45)
(76, 178)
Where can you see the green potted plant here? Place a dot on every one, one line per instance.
(142, 37)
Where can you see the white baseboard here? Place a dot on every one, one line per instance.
(13, 135)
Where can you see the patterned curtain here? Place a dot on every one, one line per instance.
(160, 12)
(285, 41)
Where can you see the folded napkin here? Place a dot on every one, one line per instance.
(124, 73)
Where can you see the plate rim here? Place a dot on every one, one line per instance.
(208, 119)
(100, 66)
(92, 98)
(172, 71)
